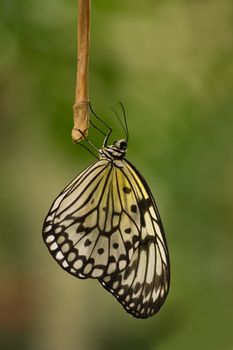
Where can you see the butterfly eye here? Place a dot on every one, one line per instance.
(124, 144)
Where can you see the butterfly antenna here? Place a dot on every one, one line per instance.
(120, 121)
(125, 120)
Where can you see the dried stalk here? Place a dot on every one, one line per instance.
(81, 106)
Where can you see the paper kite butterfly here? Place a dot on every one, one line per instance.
(105, 225)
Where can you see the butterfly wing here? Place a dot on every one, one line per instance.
(143, 286)
(86, 230)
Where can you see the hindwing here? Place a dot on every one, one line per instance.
(143, 286)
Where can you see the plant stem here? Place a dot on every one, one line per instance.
(81, 106)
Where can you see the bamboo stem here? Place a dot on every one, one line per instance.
(81, 106)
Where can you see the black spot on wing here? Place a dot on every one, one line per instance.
(87, 242)
(135, 239)
(128, 245)
(100, 251)
(127, 190)
(137, 287)
(128, 230)
(133, 208)
(144, 205)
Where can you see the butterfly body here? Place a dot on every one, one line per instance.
(114, 152)
(105, 225)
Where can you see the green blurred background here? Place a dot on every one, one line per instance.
(171, 64)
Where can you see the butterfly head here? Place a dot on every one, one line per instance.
(121, 144)
(114, 152)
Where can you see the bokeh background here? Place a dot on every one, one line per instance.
(171, 64)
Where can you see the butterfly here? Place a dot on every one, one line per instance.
(105, 225)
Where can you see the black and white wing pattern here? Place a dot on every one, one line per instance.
(105, 225)
(86, 230)
(143, 286)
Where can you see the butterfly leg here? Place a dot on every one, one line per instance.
(90, 143)
(80, 144)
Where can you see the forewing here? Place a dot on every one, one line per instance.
(143, 286)
(87, 230)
